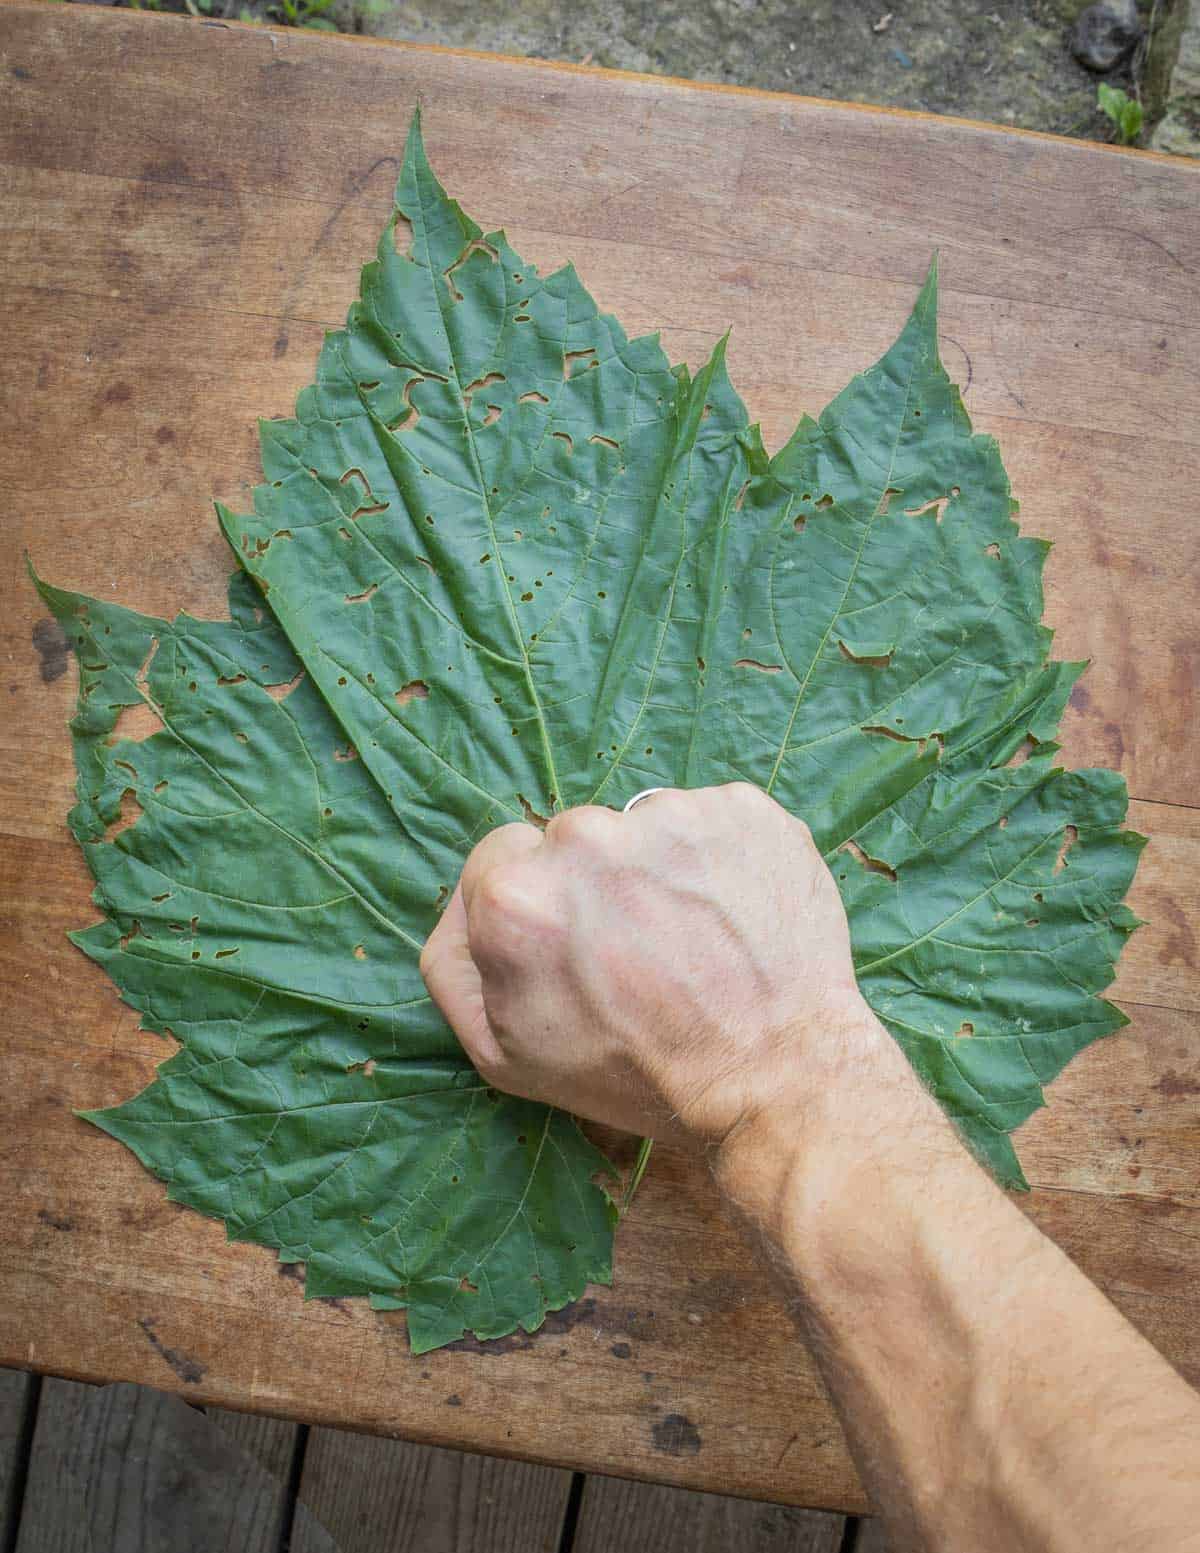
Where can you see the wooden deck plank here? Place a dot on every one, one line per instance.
(377, 1494)
(165, 286)
(269, 1441)
(124, 1468)
(616, 1516)
(15, 1389)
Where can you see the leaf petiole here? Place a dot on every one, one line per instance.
(639, 1170)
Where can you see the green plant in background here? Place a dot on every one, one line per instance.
(303, 13)
(1124, 111)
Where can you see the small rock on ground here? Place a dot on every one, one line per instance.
(1105, 34)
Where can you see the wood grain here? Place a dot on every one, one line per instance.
(174, 246)
(269, 1441)
(124, 1469)
(377, 1494)
(15, 1386)
(616, 1516)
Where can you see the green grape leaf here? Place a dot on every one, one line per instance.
(506, 560)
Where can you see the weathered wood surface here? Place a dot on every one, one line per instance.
(373, 1494)
(123, 1469)
(15, 1388)
(616, 1516)
(186, 207)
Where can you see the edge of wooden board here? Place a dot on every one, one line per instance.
(312, 38)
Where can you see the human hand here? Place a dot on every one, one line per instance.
(670, 971)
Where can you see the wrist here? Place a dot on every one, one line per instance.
(849, 1134)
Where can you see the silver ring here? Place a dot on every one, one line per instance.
(647, 792)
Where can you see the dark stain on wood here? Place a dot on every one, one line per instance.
(119, 393)
(190, 1371)
(1180, 943)
(52, 649)
(59, 1221)
(1176, 1086)
(675, 1435)
(621, 1351)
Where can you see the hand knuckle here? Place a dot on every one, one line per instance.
(499, 899)
(747, 795)
(585, 827)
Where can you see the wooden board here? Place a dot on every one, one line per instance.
(376, 1494)
(15, 1400)
(123, 1469)
(187, 205)
(616, 1516)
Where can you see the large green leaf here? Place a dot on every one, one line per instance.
(513, 561)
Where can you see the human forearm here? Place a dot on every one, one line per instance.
(685, 971)
(993, 1398)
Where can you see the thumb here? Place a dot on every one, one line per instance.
(454, 983)
(450, 972)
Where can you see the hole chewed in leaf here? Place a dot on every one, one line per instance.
(139, 721)
(886, 499)
(873, 865)
(130, 813)
(361, 598)
(753, 663)
(937, 505)
(867, 660)
(565, 437)
(465, 1286)
(486, 381)
(532, 397)
(231, 679)
(407, 419)
(365, 1068)
(922, 741)
(367, 503)
(359, 952)
(494, 412)
(347, 752)
(1070, 837)
(476, 245)
(605, 442)
(964, 1029)
(571, 357)
(135, 723)
(415, 690)
(825, 502)
(401, 230)
(532, 817)
(136, 931)
(284, 688)
(993, 551)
